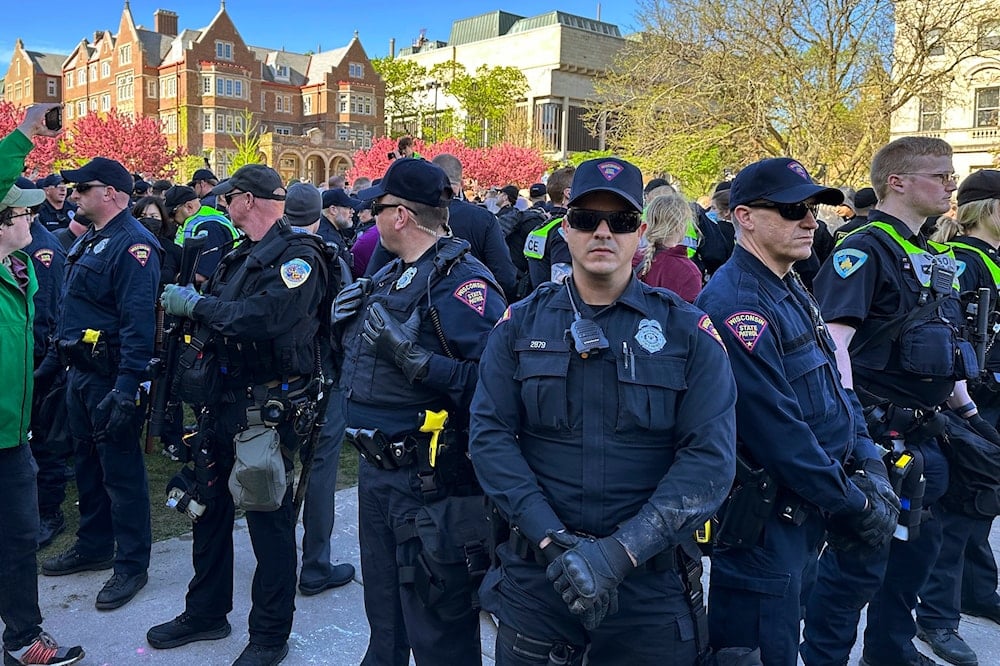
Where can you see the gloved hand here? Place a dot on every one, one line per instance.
(115, 414)
(984, 429)
(349, 300)
(179, 301)
(587, 575)
(877, 522)
(393, 339)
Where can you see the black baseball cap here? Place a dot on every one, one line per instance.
(608, 174)
(781, 180)
(413, 179)
(865, 198)
(102, 170)
(979, 185)
(202, 174)
(177, 196)
(537, 190)
(259, 180)
(338, 197)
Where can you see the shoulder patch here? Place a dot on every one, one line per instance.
(141, 252)
(961, 266)
(44, 256)
(473, 294)
(748, 327)
(706, 325)
(848, 260)
(294, 273)
(504, 317)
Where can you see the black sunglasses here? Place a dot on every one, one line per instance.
(377, 207)
(792, 212)
(619, 221)
(229, 196)
(86, 187)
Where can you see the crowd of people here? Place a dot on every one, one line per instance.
(561, 405)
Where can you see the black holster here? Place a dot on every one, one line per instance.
(748, 506)
(375, 447)
(99, 357)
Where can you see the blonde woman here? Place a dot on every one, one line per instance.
(665, 262)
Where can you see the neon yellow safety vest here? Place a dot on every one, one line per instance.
(534, 244)
(920, 259)
(690, 240)
(204, 213)
(987, 260)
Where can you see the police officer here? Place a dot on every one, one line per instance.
(974, 236)
(259, 321)
(603, 430)
(192, 218)
(795, 424)
(105, 335)
(889, 298)
(56, 212)
(412, 345)
(545, 248)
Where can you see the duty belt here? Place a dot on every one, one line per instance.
(523, 548)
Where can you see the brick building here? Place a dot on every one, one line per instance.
(33, 77)
(313, 110)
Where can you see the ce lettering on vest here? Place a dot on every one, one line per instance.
(473, 294)
(748, 327)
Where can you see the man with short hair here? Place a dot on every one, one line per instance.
(412, 344)
(336, 182)
(337, 223)
(362, 183)
(105, 334)
(194, 218)
(202, 182)
(507, 213)
(159, 188)
(263, 323)
(545, 248)
(602, 428)
(536, 197)
(56, 212)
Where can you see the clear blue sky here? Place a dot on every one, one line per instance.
(57, 26)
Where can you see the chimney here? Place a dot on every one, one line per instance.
(165, 22)
(392, 47)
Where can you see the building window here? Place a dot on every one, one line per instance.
(125, 87)
(238, 89)
(229, 123)
(69, 111)
(220, 87)
(106, 102)
(307, 105)
(356, 70)
(81, 108)
(125, 55)
(238, 124)
(368, 106)
(206, 85)
(281, 72)
(343, 102)
(170, 87)
(207, 122)
(93, 71)
(93, 104)
(342, 133)
(263, 101)
(279, 104)
(105, 69)
(170, 124)
(930, 114)
(81, 76)
(50, 88)
(220, 122)
(282, 130)
(229, 87)
(16, 92)
(224, 50)
(69, 80)
(151, 89)
(987, 107)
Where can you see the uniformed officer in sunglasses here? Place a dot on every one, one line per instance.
(603, 429)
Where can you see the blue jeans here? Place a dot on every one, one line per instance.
(111, 478)
(319, 507)
(18, 545)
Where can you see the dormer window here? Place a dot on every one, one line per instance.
(281, 72)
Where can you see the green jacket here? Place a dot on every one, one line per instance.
(17, 351)
(13, 149)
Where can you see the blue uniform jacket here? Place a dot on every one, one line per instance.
(49, 257)
(793, 415)
(638, 440)
(112, 279)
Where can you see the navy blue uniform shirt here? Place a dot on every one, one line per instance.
(972, 274)
(49, 258)
(638, 440)
(793, 416)
(112, 279)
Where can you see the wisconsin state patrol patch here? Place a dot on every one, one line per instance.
(650, 336)
(44, 256)
(473, 294)
(748, 327)
(705, 324)
(141, 253)
(847, 261)
(504, 317)
(294, 273)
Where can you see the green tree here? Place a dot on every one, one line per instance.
(487, 98)
(248, 143)
(710, 85)
(404, 83)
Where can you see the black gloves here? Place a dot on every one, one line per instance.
(587, 575)
(115, 415)
(397, 341)
(350, 300)
(872, 528)
(984, 429)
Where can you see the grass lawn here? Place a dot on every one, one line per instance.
(166, 522)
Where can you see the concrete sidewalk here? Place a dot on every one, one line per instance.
(330, 628)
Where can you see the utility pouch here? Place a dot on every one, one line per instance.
(258, 480)
(927, 348)
(748, 506)
(202, 382)
(89, 357)
(453, 558)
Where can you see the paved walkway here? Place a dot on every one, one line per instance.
(330, 628)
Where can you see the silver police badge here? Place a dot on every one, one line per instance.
(406, 278)
(100, 246)
(650, 336)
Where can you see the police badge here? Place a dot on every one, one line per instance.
(650, 336)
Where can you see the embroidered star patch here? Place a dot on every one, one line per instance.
(294, 273)
(44, 256)
(140, 251)
(748, 327)
(473, 294)
(847, 261)
(705, 324)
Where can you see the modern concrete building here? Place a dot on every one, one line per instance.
(560, 54)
